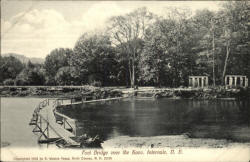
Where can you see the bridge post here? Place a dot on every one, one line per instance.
(48, 129)
(40, 122)
(64, 123)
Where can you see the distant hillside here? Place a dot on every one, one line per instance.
(25, 59)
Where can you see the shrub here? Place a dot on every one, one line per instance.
(8, 82)
(21, 82)
(96, 83)
(65, 89)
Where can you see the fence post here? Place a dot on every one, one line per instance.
(47, 129)
(63, 122)
(41, 123)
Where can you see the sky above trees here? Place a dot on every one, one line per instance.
(34, 29)
(136, 48)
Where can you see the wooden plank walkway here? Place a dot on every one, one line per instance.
(54, 126)
(93, 101)
(47, 114)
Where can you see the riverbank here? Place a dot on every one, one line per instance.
(92, 93)
(205, 93)
(78, 93)
(173, 141)
(236, 133)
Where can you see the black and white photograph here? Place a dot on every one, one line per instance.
(125, 80)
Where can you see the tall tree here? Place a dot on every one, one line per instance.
(181, 40)
(32, 74)
(127, 31)
(63, 76)
(94, 59)
(236, 32)
(10, 67)
(209, 27)
(154, 63)
(54, 61)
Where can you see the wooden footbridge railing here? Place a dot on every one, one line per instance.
(55, 127)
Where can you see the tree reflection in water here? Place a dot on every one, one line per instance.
(198, 118)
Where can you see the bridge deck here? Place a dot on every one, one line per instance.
(45, 118)
(47, 115)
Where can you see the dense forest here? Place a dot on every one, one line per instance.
(141, 48)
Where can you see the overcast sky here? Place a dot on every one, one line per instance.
(34, 28)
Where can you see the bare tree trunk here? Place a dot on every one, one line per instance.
(133, 74)
(213, 54)
(158, 72)
(226, 60)
(133, 69)
(158, 79)
(130, 72)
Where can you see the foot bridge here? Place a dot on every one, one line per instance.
(57, 128)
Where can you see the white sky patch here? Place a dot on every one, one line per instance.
(40, 30)
(97, 15)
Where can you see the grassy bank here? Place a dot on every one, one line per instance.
(78, 93)
(191, 93)
(90, 92)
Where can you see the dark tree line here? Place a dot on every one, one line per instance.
(13, 72)
(141, 48)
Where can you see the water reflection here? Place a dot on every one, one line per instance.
(200, 118)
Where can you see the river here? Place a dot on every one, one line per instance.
(16, 113)
(216, 119)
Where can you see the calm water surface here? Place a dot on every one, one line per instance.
(16, 113)
(159, 117)
(129, 117)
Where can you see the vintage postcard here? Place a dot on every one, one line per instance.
(125, 81)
